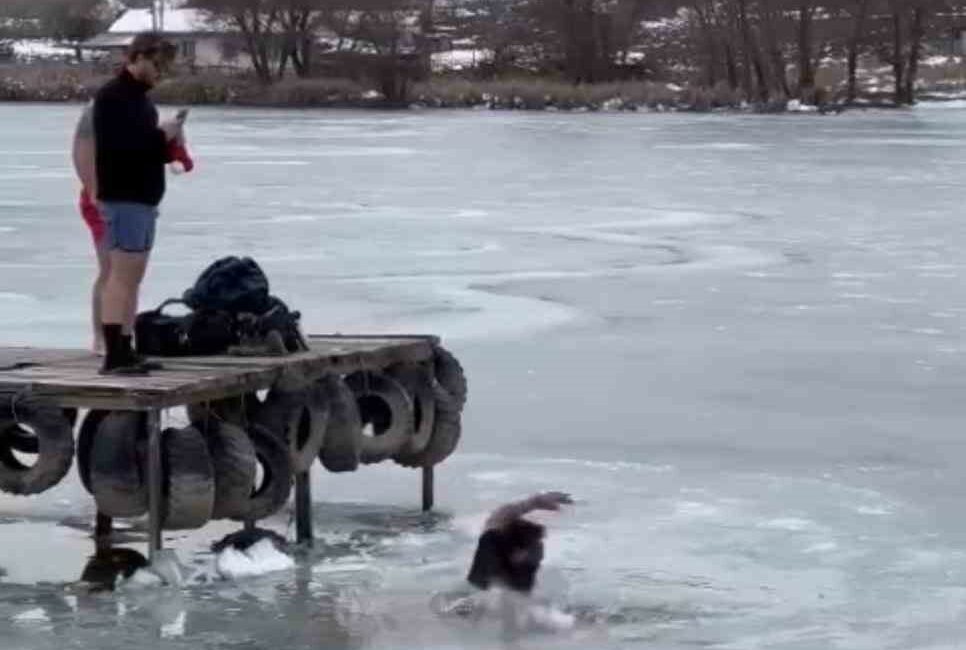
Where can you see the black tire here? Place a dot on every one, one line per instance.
(18, 439)
(276, 465)
(299, 419)
(418, 381)
(343, 435)
(385, 406)
(233, 461)
(449, 374)
(26, 442)
(189, 479)
(447, 430)
(117, 473)
(85, 442)
(55, 447)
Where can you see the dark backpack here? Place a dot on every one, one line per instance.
(196, 333)
(160, 334)
(231, 306)
(278, 317)
(211, 332)
(231, 284)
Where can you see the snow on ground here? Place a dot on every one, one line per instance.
(30, 49)
(939, 61)
(460, 59)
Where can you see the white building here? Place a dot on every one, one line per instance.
(201, 41)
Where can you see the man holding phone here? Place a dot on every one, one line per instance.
(131, 150)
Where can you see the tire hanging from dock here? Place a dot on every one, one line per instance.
(25, 442)
(32, 420)
(299, 418)
(188, 479)
(343, 435)
(386, 409)
(447, 429)
(275, 462)
(233, 460)
(449, 374)
(118, 455)
(85, 442)
(449, 397)
(418, 382)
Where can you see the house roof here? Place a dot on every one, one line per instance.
(176, 21)
(109, 41)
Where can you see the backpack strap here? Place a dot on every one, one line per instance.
(168, 302)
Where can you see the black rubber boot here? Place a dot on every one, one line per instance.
(136, 359)
(116, 358)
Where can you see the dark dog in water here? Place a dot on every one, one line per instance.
(510, 549)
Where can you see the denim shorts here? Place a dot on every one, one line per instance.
(130, 226)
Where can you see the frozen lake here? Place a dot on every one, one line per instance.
(737, 340)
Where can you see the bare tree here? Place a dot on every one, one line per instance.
(909, 22)
(859, 10)
(301, 23)
(68, 21)
(771, 22)
(260, 24)
(387, 39)
(916, 33)
(806, 69)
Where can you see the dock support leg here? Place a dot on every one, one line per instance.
(428, 497)
(103, 530)
(154, 485)
(303, 508)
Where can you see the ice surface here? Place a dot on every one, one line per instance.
(735, 339)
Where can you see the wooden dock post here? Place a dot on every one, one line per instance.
(103, 531)
(303, 508)
(428, 489)
(154, 484)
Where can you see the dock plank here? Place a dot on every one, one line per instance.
(70, 378)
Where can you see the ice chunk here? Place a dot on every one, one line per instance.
(259, 558)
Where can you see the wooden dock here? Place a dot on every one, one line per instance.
(70, 379)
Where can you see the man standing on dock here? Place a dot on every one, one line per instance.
(131, 152)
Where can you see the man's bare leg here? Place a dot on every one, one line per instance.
(118, 301)
(134, 298)
(103, 272)
(120, 293)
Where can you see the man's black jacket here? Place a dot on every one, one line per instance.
(131, 149)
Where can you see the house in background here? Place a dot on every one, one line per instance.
(955, 43)
(201, 42)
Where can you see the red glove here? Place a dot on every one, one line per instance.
(179, 157)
